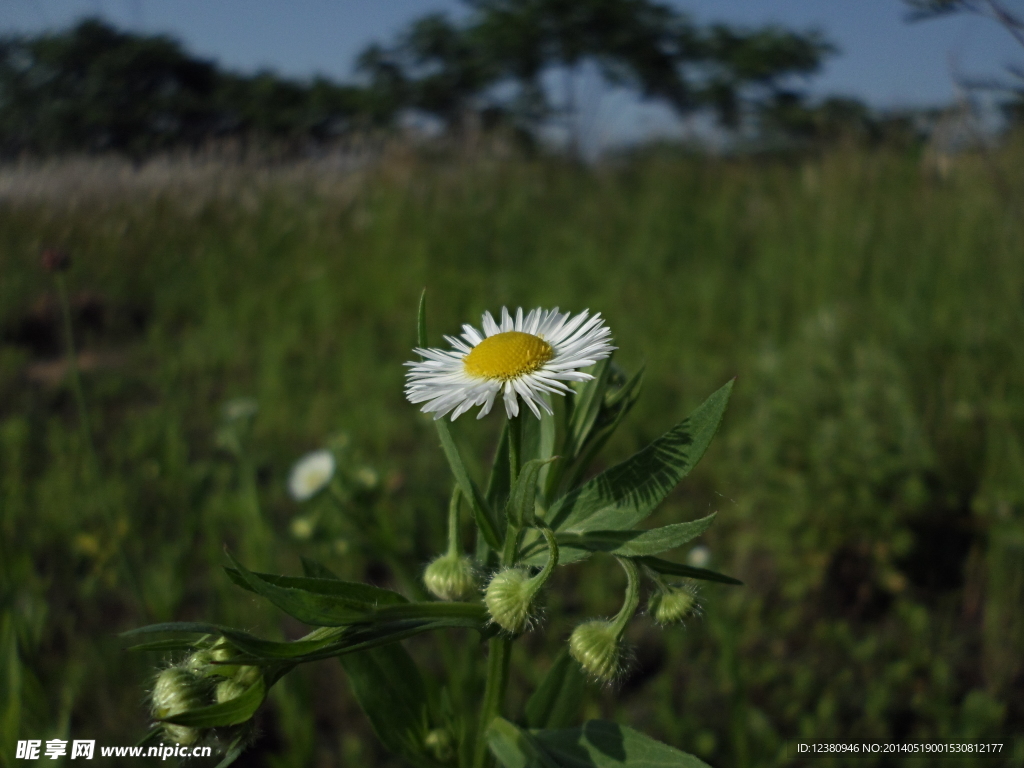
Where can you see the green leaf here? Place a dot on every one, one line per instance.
(315, 608)
(557, 700)
(586, 406)
(576, 546)
(622, 496)
(233, 712)
(477, 503)
(353, 591)
(421, 321)
(596, 744)
(523, 498)
(316, 570)
(678, 569)
(388, 686)
(498, 481)
(604, 744)
(327, 642)
(514, 747)
(627, 396)
(164, 646)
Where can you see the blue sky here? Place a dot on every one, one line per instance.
(883, 59)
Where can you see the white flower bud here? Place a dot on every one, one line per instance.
(179, 690)
(451, 577)
(595, 645)
(673, 604)
(509, 599)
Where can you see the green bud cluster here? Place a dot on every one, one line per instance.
(509, 599)
(451, 577)
(595, 645)
(673, 603)
(199, 681)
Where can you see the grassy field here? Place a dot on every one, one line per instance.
(869, 476)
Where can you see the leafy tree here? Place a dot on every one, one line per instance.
(96, 88)
(506, 46)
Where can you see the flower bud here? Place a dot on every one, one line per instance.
(439, 742)
(231, 689)
(595, 645)
(221, 653)
(672, 604)
(451, 577)
(179, 690)
(509, 599)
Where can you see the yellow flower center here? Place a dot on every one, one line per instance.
(508, 355)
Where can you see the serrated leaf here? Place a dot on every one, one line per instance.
(679, 569)
(624, 495)
(389, 688)
(556, 702)
(233, 712)
(316, 570)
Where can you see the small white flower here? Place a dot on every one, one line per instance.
(310, 474)
(524, 357)
(303, 528)
(699, 556)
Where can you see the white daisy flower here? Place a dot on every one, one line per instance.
(310, 474)
(525, 357)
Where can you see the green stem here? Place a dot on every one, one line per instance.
(453, 523)
(511, 549)
(515, 447)
(76, 379)
(632, 600)
(499, 653)
(541, 578)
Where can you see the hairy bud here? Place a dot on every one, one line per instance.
(509, 599)
(595, 645)
(227, 690)
(179, 690)
(673, 604)
(451, 577)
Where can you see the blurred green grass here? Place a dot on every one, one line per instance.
(869, 475)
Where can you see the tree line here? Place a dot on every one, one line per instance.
(96, 88)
